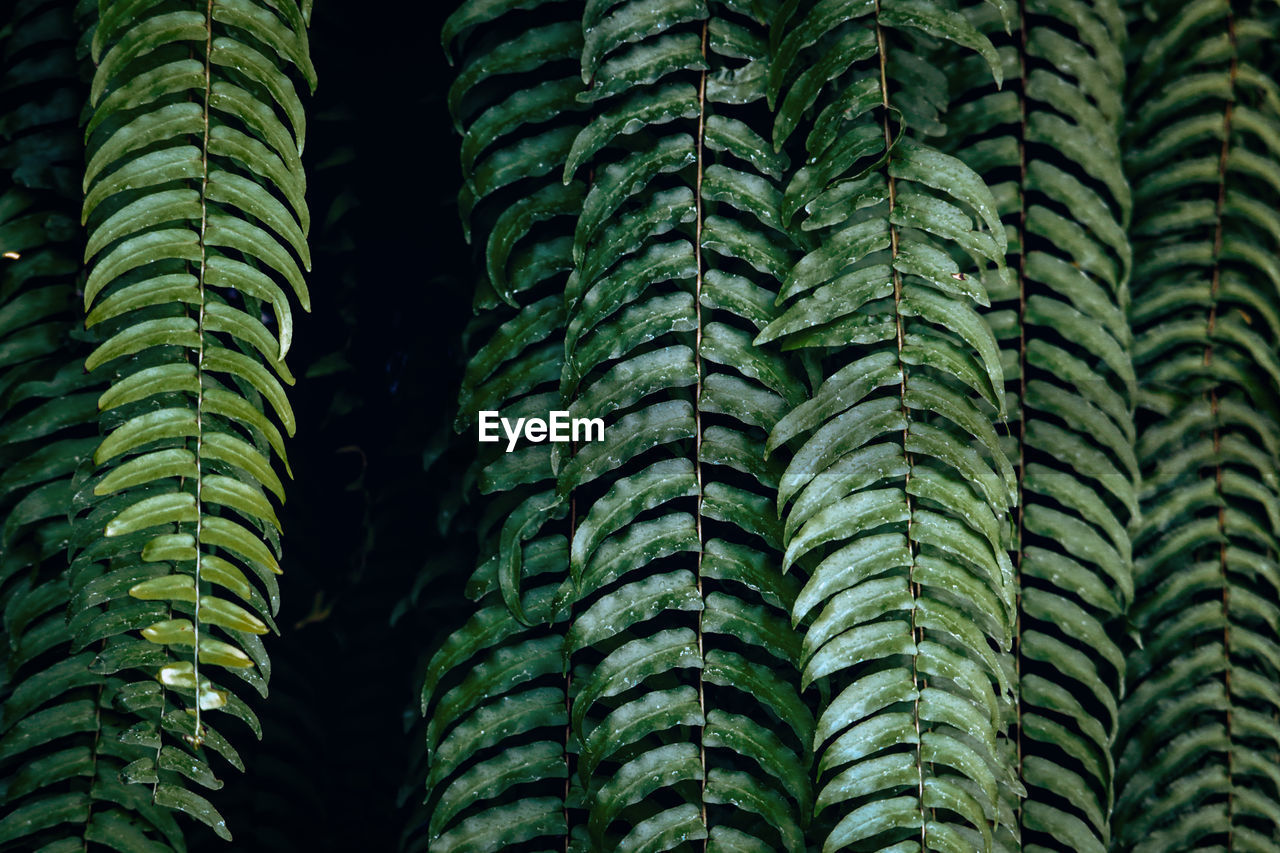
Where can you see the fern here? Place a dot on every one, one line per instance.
(1198, 742)
(897, 496)
(1065, 334)
(909, 528)
(495, 691)
(195, 216)
(691, 726)
(62, 744)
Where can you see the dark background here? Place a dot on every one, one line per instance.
(378, 362)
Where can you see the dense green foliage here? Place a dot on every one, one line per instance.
(938, 504)
(1197, 757)
(1063, 328)
(184, 239)
(64, 742)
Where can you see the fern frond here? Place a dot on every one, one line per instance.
(62, 745)
(196, 228)
(495, 698)
(495, 692)
(691, 723)
(896, 499)
(1065, 337)
(637, 705)
(757, 728)
(1198, 734)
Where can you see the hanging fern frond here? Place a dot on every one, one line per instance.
(62, 745)
(495, 696)
(1053, 139)
(196, 223)
(1199, 738)
(634, 641)
(758, 729)
(983, 130)
(908, 528)
(690, 722)
(495, 691)
(515, 101)
(897, 496)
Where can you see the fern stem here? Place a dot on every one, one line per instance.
(93, 760)
(1020, 531)
(917, 633)
(697, 408)
(1211, 320)
(198, 736)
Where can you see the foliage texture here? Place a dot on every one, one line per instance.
(1051, 150)
(1197, 764)
(494, 693)
(62, 741)
(899, 490)
(194, 215)
(937, 501)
